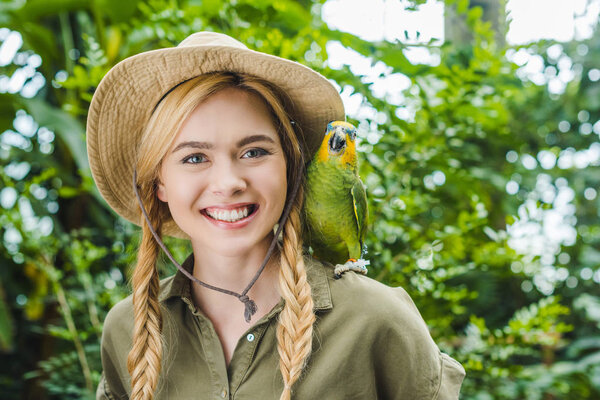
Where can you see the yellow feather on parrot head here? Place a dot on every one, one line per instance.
(339, 144)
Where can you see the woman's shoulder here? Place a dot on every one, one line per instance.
(120, 318)
(374, 309)
(382, 329)
(383, 314)
(361, 294)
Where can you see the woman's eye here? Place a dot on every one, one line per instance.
(194, 159)
(255, 153)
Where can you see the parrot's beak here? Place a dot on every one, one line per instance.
(337, 142)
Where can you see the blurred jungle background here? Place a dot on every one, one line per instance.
(481, 161)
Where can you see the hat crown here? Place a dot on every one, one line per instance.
(210, 39)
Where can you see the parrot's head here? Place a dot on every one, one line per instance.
(339, 143)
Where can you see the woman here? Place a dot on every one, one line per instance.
(214, 138)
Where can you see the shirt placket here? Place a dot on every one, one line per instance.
(213, 353)
(244, 355)
(225, 380)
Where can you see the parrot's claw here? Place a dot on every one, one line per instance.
(359, 266)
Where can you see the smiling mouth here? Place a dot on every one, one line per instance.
(233, 215)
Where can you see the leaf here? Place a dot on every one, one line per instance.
(117, 10)
(68, 128)
(40, 39)
(390, 53)
(6, 324)
(590, 256)
(33, 10)
(9, 103)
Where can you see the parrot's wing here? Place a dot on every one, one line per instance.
(361, 212)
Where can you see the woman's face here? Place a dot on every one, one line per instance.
(224, 178)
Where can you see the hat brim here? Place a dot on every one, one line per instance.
(126, 97)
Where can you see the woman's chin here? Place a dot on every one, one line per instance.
(232, 246)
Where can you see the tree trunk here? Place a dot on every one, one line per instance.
(494, 11)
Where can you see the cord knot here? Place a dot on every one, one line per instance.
(251, 307)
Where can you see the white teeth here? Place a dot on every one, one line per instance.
(229, 215)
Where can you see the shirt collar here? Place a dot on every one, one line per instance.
(316, 272)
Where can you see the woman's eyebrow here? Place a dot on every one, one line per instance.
(194, 144)
(254, 138)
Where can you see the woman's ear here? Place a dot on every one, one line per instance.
(161, 191)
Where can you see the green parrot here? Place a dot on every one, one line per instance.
(335, 204)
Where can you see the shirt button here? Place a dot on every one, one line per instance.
(250, 337)
(223, 393)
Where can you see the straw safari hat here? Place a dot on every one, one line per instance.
(127, 95)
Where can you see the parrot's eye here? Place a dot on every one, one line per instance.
(351, 133)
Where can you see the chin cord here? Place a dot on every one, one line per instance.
(250, 305)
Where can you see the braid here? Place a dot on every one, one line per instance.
(144, 358)
(294, 331)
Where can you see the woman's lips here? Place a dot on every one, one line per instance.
(231, 216)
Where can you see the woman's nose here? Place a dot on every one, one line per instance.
(227, 180)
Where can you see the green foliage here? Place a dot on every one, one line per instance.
(437, 164)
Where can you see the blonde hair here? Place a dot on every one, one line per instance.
(295, 325)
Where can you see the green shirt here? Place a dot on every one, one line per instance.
(370, 342)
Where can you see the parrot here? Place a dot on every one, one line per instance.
(335, 202)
